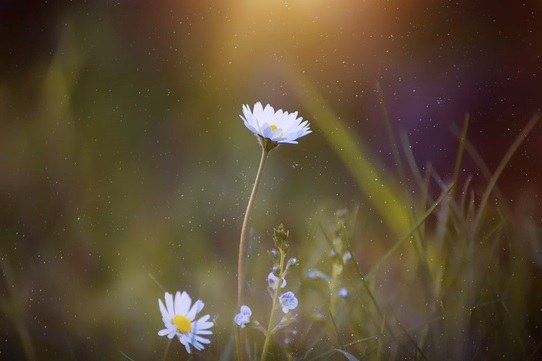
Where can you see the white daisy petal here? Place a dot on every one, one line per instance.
(250, 126)
(186, 346)
(205, 325)
(258, 110)
(203, 318)
(198, 305)
(202, 340)
(163, 310)
(268, 112)
(169, 304)
(178, 302)
(185, 304)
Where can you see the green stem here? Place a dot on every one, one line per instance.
(166, 352)
(243, 251)
(268, 336)
(244, 232)
(268, 333)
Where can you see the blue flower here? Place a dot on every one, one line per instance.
(243, 317)
(273, 281)
(288, 301)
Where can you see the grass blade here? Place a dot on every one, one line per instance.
(493, 181)
(409, 233)
(460, 150)
(384, 196)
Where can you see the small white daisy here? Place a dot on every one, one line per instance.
(273, 281)
(179, 320)
(243, 317)
(288, 301)
(278, 127)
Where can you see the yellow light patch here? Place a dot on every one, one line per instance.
(183, 324)
(273, 127)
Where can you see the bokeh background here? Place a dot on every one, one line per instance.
(125, 169)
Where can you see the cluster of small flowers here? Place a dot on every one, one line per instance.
(179, 315)
(288, 301)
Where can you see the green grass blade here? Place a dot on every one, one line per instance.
(411, 161)
(391, 136)
(493, 181)
(409, 233)
(459, 157)
(389, 201)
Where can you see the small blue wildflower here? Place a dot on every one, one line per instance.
(288, 301)
(243, 317)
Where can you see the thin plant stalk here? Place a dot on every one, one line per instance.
(502, 165)
(166, 351)
(269, 332)
(268, 336)
(244, 231)
(243, 248)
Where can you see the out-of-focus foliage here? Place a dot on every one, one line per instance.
(125, 169)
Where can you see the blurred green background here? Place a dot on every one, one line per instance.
(125, 169)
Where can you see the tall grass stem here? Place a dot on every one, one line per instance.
(502, 165)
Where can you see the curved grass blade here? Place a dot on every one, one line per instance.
(389, 201)
(493, 181)
(459, 157)
(409, 233)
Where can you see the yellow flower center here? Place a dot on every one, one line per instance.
(273, 127)
(183, 324)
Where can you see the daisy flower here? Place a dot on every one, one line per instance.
(243, 317)
(179, 316)
(288, 301)
(277, 126)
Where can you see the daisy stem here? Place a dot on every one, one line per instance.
(166, 352)
(243, 250)
(268, 333)
(244, 232)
